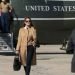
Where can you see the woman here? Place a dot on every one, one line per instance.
(5, 8)
(26, 45)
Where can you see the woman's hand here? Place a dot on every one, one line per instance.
(17, 51)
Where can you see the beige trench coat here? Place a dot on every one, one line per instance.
(25, 36)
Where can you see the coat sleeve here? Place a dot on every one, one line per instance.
(34, 37)
(19, 40)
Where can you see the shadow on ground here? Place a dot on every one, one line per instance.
(13, 54)
(7, 53)
(54, 53)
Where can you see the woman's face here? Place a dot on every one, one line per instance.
(27, 22)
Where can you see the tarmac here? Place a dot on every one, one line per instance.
(50, 61)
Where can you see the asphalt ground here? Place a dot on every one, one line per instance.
(50, 61)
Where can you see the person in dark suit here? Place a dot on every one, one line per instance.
(0, 22)
(0, 25)
(71, 47)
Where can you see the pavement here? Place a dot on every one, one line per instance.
(46, 49)
(50, 61)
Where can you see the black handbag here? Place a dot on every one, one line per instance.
(37, 44)
(16, 64)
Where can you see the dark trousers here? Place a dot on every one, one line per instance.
(30, 51)
(0, 24)
(5, 22)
